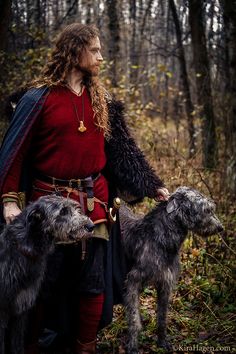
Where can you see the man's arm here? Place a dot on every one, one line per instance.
(14, 149)
(10, 211)
(126, 164)
(21, 125)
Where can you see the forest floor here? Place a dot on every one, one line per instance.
(202, 314)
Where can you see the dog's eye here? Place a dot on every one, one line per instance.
(187, 212)
(64, 211)
(213, 207)
(207, 210)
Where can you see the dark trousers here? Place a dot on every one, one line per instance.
(71, 288)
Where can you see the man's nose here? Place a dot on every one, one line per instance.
(100, 58)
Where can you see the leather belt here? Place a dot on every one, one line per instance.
(74, 183)
(85, 184)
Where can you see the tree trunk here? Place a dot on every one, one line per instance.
(5, 16)
(134, 59)
(88, 6)
(114, 34)
(185, 82)
(229, 16)
(203, 82)
(71, 7)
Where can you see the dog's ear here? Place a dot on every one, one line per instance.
(33, 225)
(172, 205)
(35, 216)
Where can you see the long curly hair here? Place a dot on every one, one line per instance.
(66, 55)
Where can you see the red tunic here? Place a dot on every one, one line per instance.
(58, 149)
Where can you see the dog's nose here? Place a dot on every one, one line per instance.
(220, 228)
(89, 226)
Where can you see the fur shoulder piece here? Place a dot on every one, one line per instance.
(126, 166)
(108, 97)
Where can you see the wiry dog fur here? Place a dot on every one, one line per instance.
(24, 246)
(152, 244)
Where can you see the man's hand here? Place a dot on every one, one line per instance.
(10, 211)
(163, 194)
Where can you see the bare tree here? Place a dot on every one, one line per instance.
(134, 59)
(114, 38)
(229, 16)
(5, 16)
(185, 81)
(203, 82)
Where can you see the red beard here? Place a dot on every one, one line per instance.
(90, 71)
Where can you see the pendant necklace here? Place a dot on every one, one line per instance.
(81, 128)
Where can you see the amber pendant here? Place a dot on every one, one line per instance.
(81, 128)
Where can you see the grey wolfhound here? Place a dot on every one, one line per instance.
(24, 247)
(152, 244)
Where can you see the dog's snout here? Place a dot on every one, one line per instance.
(220, 228)
(89, 226)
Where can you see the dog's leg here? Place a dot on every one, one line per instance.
(132, 310)
(16, 334)
(163, 295)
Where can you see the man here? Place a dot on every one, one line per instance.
(68, 136)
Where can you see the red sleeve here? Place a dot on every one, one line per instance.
(11, 183)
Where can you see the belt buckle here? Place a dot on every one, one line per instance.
(76, 182)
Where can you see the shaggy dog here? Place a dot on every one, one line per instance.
(24, 246)
(152, 244)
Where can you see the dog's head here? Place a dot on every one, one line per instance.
(61, 217)
(54, 218)
(195, 211)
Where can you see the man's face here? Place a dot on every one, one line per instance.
(91, 58)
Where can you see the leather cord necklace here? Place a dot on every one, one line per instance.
(81, 128)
